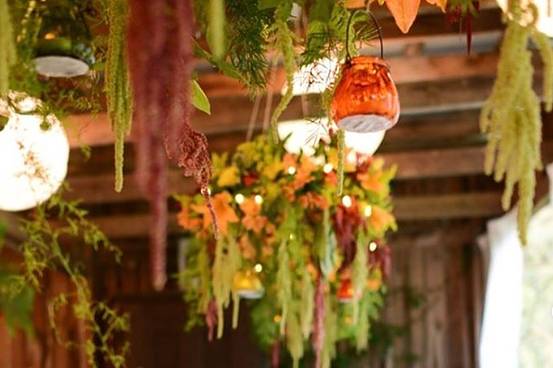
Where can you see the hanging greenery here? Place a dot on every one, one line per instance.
(511, 116)
(313, 266)
(118, 91)
(42, 249)
(7, 45)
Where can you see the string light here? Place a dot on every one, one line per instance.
(346, 201)
(239, 198)
(368, 211)
(258, 267)
(291, 170)
(351, 157)
(373, 246)
(327, 168)
(258, 199)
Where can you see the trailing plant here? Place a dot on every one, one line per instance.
(48, 226)
(511, 115)
(118, 91)
(320, 264)
(7, 45)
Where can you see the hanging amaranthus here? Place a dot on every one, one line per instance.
(511, 116)
(7, 47)
(118, 90)
(159, 38)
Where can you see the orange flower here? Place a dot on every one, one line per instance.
(252, 219)
(187, 222)
(313, 200)
(303, 174)
(246, 248)
(371, 181)
(223, 210)
(380, 218)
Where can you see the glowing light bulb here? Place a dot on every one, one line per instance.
(292, 237)
(239, 198)
(327, 168)
(368, 211)
(351, 157)
(346, 201)
(373, 246)
(258, 199)
(291, 170)
(258, 267)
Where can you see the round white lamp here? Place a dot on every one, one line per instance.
(34, 152)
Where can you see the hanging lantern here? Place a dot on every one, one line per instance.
(64, 46)
(247, 285)
(366, 98)
(34, 151)
(345, 291)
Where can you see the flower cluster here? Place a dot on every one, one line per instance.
(313, 260)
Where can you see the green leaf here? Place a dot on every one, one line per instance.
(199, 98)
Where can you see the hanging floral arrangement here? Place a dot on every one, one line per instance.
(311, 263)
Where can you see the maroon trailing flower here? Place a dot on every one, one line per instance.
(160, 64)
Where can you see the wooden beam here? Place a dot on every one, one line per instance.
(440, 163)
(450, 206)
(232, 113)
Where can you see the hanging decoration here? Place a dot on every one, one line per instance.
(35, 153)
(511, 116)
(160, 32)
(118, 90)
(365, 100)
(286, 244)
(64, 42)
(7, 45)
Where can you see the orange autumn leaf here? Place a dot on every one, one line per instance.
(246, 248)
(252, 219)
(223, 210)
(404, 12)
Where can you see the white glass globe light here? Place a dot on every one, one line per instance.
(304, 136)
(314, 78)
(34, 153)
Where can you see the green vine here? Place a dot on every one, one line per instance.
(511, 116)
(42, 249)
(118, 91)
(7, 45)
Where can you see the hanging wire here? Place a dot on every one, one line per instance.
(253, 118)
(377, 28)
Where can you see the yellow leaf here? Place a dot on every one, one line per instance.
(439, 3)
(404, 12)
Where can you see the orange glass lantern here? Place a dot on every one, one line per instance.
(247, 285)
(366, 98)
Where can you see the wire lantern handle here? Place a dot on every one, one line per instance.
(376, 25)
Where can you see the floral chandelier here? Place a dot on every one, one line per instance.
(310, 262)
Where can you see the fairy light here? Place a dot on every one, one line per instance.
(291, 170)
(373, 246)
(258, 199)
(346, 201)
(292, 237)
(258, 268)
(327, 168)
(239, 198)
(368, 211)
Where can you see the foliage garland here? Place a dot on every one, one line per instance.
(511, 116)
(277, 212)
(7, 45)
(42, 249)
